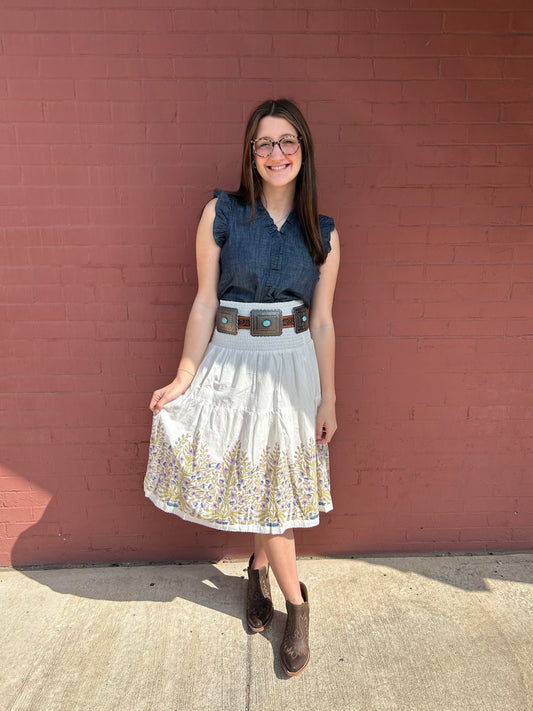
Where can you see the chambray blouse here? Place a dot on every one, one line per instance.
(258, 262)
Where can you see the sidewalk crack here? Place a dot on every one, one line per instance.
(248, 672)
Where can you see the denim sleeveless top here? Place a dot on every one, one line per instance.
(258, 263)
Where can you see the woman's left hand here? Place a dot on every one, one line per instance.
(326, 423)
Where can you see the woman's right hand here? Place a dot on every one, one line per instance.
(172, 391)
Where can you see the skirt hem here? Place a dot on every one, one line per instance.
(240, 528)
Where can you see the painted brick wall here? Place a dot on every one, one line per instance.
(116, 120)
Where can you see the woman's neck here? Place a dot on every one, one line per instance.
(278, 201)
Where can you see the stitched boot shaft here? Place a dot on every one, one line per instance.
(295, 646)
(259, 607)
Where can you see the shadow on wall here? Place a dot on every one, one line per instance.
(74, 528)
(59, 545)
(50, 517)
(49, 540)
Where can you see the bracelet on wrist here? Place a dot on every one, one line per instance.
(186, 371)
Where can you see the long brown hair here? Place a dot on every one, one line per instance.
(305, 199)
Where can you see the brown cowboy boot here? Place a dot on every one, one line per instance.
(259, 607)
(295, 646)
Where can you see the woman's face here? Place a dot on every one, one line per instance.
(277, 169)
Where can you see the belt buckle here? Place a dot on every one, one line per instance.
(227, 320)
(301, 318)
(266, 322)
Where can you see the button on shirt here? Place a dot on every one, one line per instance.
(258, 262)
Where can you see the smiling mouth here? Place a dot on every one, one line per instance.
(278, 167)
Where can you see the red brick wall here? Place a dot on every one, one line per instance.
(116, 120)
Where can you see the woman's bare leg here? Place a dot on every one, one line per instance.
(280, 552)
(260, 555)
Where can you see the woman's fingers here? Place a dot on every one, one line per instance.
(160, 399)
(164, 395)
(156, 398)
(324, 431)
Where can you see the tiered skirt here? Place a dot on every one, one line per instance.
(237, 451)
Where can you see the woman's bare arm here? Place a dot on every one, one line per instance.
(323, 334)
(202, 316)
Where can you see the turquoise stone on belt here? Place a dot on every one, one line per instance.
(266, 322)
(224, 320)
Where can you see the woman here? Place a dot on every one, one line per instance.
(239, 439)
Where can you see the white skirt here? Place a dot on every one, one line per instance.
(237, 451)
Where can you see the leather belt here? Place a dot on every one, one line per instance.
(245, 321)
(262, 322)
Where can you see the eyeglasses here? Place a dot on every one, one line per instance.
(288, 145)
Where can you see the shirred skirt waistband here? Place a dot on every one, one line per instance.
(243, 338)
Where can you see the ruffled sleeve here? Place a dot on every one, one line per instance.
(327, 225)
(222, 217)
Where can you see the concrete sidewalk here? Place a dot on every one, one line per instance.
(450, 633)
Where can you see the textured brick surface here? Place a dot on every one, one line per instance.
(116, 120)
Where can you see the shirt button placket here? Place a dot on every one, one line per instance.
(276, 261)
